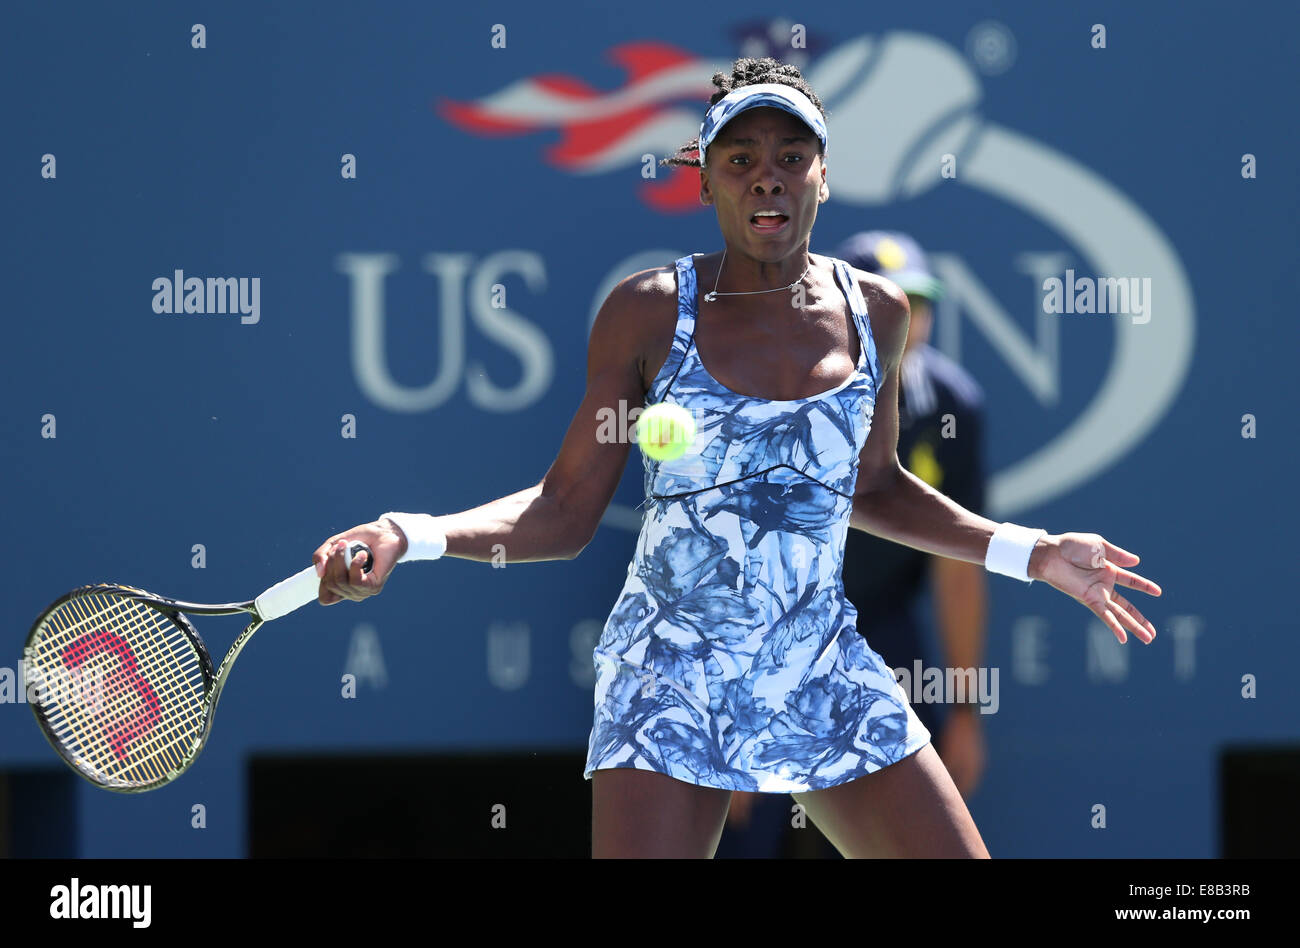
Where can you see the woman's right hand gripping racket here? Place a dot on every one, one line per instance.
(123, 685)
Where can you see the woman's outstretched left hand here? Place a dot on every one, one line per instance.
(1087, 567)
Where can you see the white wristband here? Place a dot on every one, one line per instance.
(424, 541)
(1010, 549)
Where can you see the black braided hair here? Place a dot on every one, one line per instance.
(746, 72)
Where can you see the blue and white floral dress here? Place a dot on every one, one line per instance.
(731, 657)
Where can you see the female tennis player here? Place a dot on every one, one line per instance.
(727, 662)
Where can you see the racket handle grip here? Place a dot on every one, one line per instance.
(288, 595)
(301, 588)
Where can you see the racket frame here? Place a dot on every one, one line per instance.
(278, 601)
(213, 680)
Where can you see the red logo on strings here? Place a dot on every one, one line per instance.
(120, 729)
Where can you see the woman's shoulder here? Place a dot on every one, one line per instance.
(641, 312)
(647, 286)
(887, 309)
(875, 288)
(879, 292)
(642, 305)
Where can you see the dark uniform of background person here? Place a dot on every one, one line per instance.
(885, 580)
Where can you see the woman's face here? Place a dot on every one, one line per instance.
(765, 159)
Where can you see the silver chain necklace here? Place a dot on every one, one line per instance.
(710, 297)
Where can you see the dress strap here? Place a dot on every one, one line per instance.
(861, 319)
(684, 335)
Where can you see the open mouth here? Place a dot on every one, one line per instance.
(765, 223)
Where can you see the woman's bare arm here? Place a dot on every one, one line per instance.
(558, 516)
(891, 502)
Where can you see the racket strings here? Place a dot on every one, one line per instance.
(188, 706)
(142, 713)
(98, 726)
(155, 727)
(136, 719)
(125, 733)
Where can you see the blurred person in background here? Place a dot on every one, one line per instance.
(940, 440)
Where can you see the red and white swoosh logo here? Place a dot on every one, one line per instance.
(654, 112)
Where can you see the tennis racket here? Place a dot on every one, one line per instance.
(124, 686)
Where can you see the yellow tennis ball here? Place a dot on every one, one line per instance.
(664, 431)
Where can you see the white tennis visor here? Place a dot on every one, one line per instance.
(771, 94)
